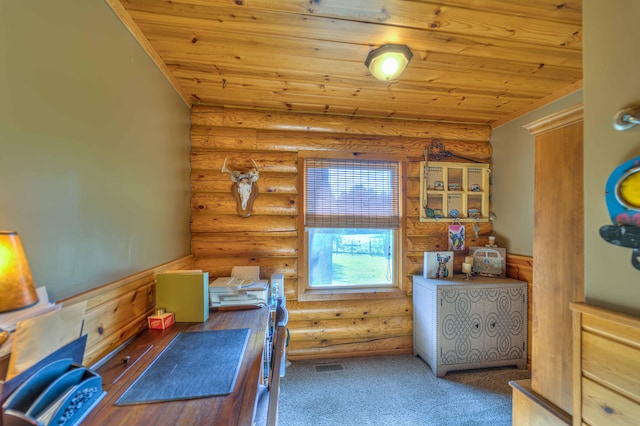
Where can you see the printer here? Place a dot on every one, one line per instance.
(243, 288)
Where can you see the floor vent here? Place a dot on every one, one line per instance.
(329, 367)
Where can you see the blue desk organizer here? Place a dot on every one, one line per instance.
(56, 391)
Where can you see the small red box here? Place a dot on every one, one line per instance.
(160, 322)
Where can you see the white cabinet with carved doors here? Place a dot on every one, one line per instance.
(461, 324)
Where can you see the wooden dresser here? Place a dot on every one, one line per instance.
(606, 377)
(460, 324)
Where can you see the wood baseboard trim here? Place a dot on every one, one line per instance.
(547, 411)
(332, 355)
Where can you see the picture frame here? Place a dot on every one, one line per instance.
(456, 237)
(489, 261)
(438, 264)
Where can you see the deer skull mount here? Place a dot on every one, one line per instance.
(244, 188)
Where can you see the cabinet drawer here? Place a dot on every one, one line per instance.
(601, 406)
(597, 353)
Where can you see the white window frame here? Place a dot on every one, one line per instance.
(345, 291)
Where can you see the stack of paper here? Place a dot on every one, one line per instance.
(8, 320)
(254, 293)
(41, 335)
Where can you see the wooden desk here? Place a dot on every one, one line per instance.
(234, 409)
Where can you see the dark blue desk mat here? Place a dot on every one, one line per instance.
(195, 364)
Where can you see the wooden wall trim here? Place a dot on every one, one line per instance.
(530, 408)
(557, 120)
(520, 267)
(118, 310)
(558, 251)
(566, 91)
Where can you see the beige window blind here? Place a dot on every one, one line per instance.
(346, 193)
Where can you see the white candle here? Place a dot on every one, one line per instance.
(468, 259)
(466, 268)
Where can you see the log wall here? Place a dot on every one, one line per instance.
(269, 238)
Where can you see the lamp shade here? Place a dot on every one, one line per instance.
(16, 284)
(387, 62)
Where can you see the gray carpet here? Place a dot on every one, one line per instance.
(393, 391)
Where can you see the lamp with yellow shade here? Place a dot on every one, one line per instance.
(17, 290)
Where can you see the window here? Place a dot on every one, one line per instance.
(351, 221)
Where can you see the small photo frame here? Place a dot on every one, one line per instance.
(438, 264)
(456, 237)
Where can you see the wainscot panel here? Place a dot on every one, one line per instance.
(118, 310)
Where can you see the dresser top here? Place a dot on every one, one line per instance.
(461, 280)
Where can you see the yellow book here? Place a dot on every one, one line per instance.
(185, 293)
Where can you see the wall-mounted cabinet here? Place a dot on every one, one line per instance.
(450, 191)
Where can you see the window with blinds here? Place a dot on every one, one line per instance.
(351, 193)
(351, 221)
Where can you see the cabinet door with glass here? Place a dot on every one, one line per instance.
(454, 191)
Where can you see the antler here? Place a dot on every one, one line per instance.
(234, 174)
(255, 173)
(224, 166)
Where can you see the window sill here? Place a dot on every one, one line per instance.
(310, 294)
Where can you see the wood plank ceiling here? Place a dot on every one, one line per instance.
(475, 61)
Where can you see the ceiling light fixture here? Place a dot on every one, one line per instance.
(387, 62)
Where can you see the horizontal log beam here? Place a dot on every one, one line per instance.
(268, 162)
(323, 310)
(263, 246)
(225, 204)
(278, 183)
(222, 266)
(231, 223)
(272, 120)
(342, 348)
(350, 328)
